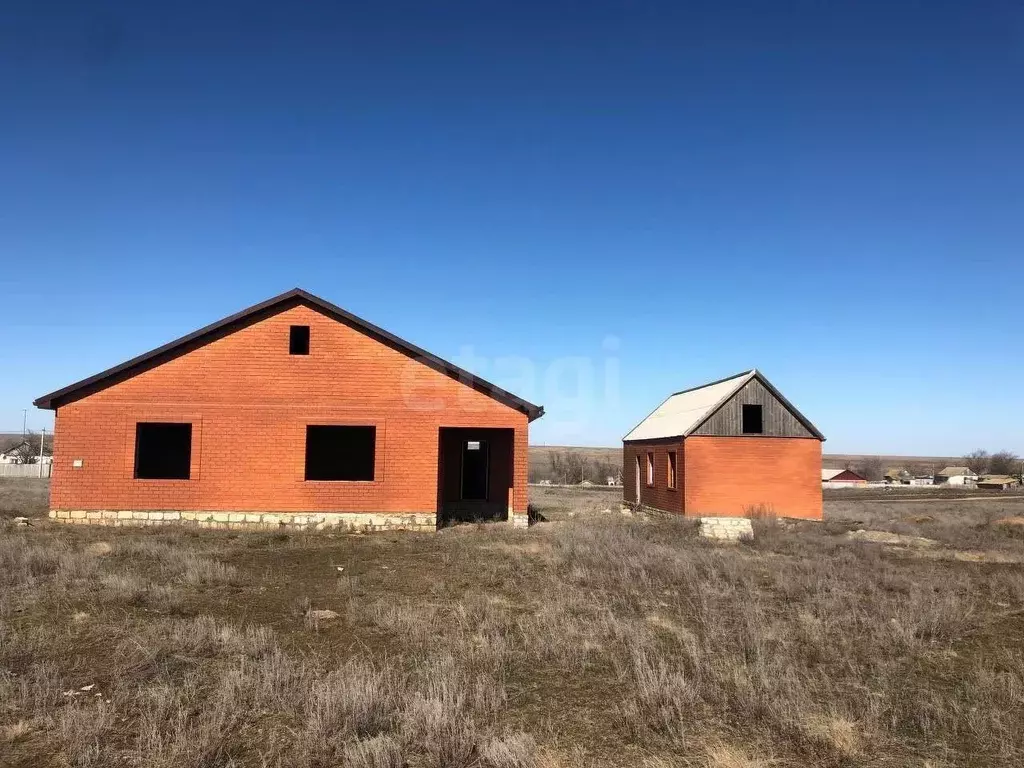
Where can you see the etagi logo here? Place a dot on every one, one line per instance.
(574, 390)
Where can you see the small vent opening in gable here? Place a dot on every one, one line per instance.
(298, 340)
(753, 423)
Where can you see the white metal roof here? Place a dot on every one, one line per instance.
(684, 411)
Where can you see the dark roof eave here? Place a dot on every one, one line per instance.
(267, 308)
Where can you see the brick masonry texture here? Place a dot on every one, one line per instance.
(658, 496)
(249, 402)
(729, 476)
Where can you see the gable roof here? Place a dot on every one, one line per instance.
(11, 444)
(953, 471)
(13, 448)
(261, 311)
(830, 474)
(682, 413)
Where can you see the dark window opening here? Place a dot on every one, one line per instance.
(752, 423)
(340, 453)
(163, 451)
(671, 469)
(650, 469)
(298, 340)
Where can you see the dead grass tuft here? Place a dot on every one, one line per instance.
(663, 700)
(376, 752)
(517, 750)
(206, 636)
(836, 733)
(356, 700)
(16, 730)
(731, 756)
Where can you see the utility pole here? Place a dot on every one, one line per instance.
(24, 422)
(42, 439)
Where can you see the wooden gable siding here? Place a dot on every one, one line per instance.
(778, 420)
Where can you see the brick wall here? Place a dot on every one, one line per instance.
(249, 402)
(658, 495)
(726, 475)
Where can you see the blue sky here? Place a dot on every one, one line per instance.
(634, 197)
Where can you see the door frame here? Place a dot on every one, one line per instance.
(638, 478)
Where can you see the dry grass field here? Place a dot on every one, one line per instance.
(592, 639)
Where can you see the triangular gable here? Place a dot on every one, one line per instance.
(683, 411)
(691, 411)
(259, 312)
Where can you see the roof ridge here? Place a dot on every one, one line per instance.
(270, 307)
(713, 383)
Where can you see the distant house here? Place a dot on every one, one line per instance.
(998, 482)
(613, 480)
(956, 476)
(897, 476)
(24, 453)
(842, 477)
(922, 480)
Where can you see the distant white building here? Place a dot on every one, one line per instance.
(17, 453)
(956, 476)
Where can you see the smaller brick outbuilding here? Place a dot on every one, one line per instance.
(731, 447)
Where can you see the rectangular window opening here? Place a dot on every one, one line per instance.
(672, 469)
(340, 453)
(752, 421)
(298, 340)
(163, 451)
(650, 469)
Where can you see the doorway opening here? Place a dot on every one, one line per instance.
(474, 474)
(475, 460)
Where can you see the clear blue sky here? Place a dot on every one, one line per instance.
(831, 192)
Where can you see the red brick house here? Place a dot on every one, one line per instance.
(726, 448)
(293, 412)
